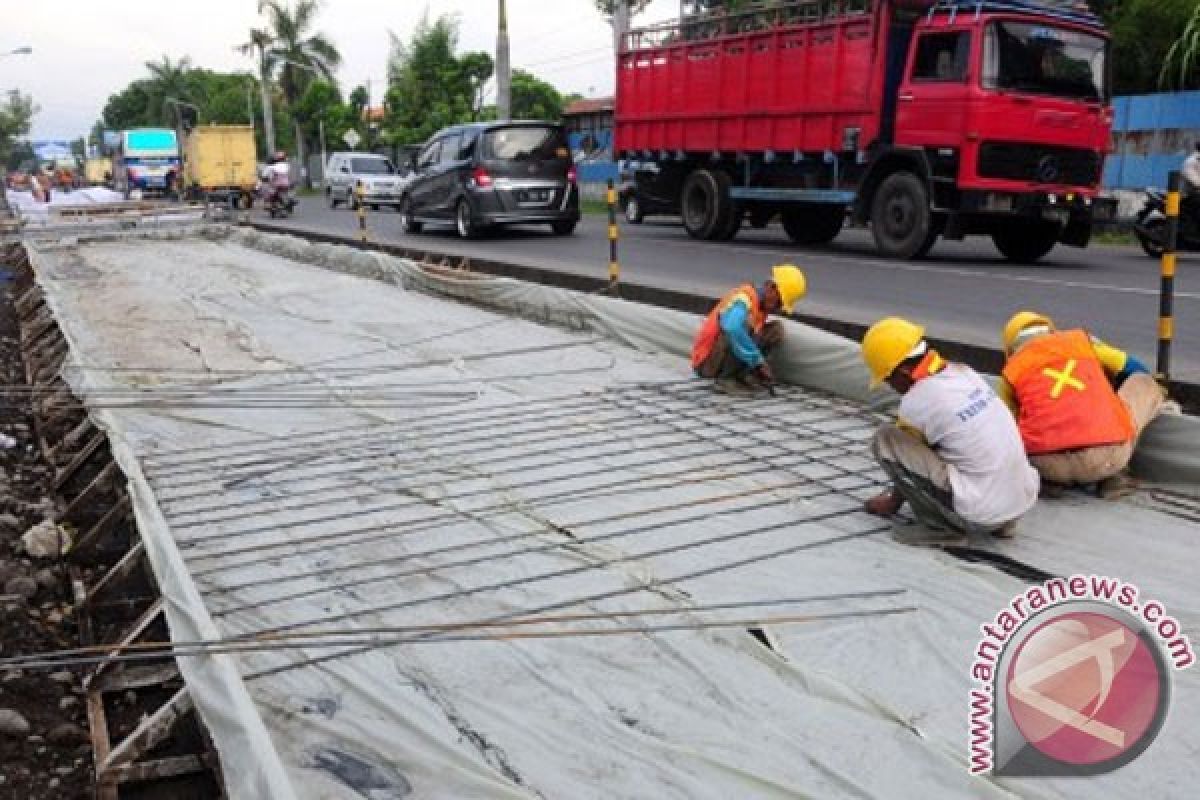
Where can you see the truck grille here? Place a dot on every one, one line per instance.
(1039, 164)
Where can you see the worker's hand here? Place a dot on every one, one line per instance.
(884, 504)
(764, 374)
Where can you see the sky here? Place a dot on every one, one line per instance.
(84, 51)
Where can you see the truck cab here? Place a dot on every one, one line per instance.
(1004, 112)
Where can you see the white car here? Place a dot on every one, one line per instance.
(381, 180)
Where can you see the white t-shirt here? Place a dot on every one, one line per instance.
(972, 430)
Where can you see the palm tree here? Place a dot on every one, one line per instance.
(299, 54)
(1183, 58)
(168, 80)
(260, 46)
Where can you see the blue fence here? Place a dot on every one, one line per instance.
(1152, 135)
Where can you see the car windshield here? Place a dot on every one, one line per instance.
(1041, 59)
(525, 144)
(371, 166)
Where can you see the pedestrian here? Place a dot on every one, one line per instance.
(954, 454)
(1080, 403)
(734, 342)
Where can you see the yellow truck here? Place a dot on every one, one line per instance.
(98, 171)
(220, 164)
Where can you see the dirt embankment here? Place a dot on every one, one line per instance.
(45, 752)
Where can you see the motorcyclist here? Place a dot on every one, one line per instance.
(1191, 186)
(281, 174)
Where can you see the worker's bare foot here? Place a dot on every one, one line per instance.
(885, 504)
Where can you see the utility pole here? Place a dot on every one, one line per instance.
(620, 24)
(268, 112)
(503, 65)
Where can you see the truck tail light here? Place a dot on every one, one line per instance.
(481, 178)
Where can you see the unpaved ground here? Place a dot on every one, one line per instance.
(45, 752)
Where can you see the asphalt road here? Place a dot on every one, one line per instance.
(963, 291)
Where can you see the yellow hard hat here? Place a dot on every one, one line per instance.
(1019, 322)
(887, 344)
(790, 282)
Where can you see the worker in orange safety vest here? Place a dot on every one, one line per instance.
(1080, 404)
(736, 337)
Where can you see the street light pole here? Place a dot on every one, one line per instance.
(503, 65)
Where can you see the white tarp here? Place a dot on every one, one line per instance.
(493, 434)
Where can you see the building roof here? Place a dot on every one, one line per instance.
(589, 105)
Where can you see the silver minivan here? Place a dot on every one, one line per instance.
(380, 179)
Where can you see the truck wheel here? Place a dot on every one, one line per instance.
(1024, 243)
(707, 208)
(331, 199)
(813, 225)
(901, 220)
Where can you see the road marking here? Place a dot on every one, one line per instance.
(908, 267)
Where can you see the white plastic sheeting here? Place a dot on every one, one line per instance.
(474, 435)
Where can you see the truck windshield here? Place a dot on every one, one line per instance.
(1041, 59)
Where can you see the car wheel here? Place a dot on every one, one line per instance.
(467, 229)
(329, 196)
(564, 227)
(407, 222)
(901, 220)
(633, 211)
(374, 206)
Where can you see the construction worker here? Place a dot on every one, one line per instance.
(735, 340)
(954, 454)
(1080, 404)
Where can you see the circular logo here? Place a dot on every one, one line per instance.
(1048, 169)
(1086, 689)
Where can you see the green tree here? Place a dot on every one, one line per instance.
(16, 118)
(1181, 67)
(168, 80)
(533, 98)
(609, 7)
(430, 86)
(300, 55)
(1143, 33)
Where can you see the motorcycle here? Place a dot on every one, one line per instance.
(1150, 225)
(279, 201)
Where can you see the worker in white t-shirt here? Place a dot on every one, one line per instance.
(955, 454)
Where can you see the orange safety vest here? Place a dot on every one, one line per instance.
(706, 338)
(1064, 398)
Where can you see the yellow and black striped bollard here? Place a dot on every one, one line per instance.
(614, 234)
(360, 191)
(1166, 298)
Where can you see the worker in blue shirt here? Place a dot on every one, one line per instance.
(732, 344)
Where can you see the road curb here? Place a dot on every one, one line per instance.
(984, 359)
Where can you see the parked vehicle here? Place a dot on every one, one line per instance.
(485, 175)
(221, 164)
(98, 171)
(924, 118)
(1150, 225)
(147, 161)
(380, 179)
(641, 193)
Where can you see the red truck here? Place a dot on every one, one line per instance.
(924, 119)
